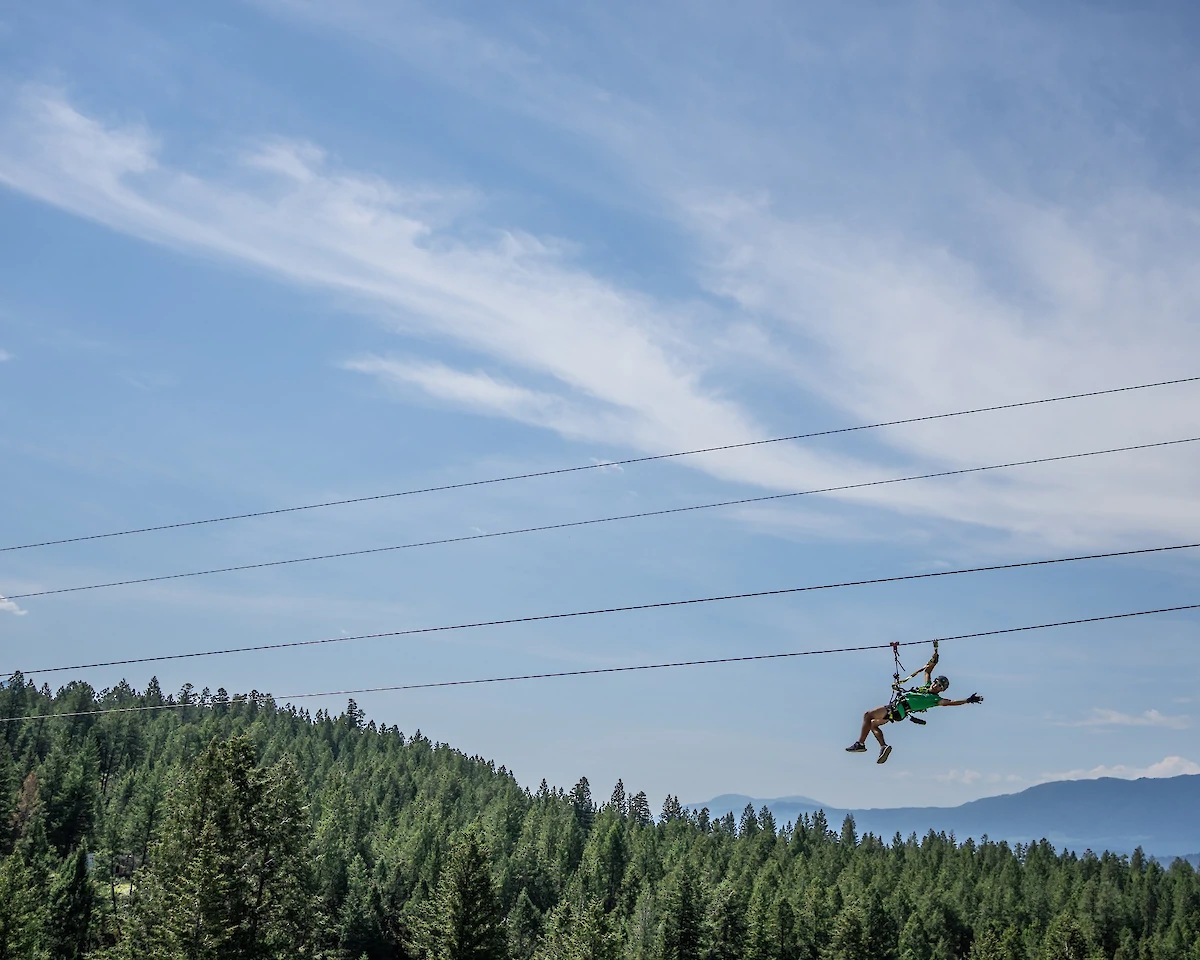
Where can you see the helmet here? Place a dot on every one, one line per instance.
(943, 681)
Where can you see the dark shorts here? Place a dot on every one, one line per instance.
(897, 711)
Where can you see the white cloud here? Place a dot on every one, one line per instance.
(622, 358)
(1167, 767)
(873, 321)
(959, 776)
(995, 285)
(1103, 717)
(5, 356)
(890, 320)
(481, 392)
(9, 606)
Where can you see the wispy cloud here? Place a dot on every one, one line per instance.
(1104, 717)
(863, 317)
(1167, 767)
(5, 356)
(1011, 286)
(424, 266)
(9, 606)
(484, 393)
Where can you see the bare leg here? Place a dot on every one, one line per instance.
(872, 721)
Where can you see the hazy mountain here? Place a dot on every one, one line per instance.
(1158, 815)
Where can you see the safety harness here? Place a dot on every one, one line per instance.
(898, 707)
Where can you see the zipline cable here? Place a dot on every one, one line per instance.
(597, 466)
(628, 669)
(742, 659)
(664, 604)
(585, 523)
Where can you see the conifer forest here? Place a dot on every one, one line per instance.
(230, 827)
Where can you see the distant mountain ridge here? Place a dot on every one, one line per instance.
(1158, 815)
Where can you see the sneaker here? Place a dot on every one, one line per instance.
(884, 754)
(857, 748)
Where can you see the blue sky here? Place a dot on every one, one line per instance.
(260, 254)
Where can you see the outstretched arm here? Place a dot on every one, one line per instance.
(933, 661)
(973, 698)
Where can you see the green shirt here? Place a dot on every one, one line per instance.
(921, 699)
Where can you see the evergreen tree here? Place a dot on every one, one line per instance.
(748, 826)
(582, 933)
(70, 908)
(524, 927)
(581, 801)
(618, 800)
(466, 922)
(992, 945)
(682, 918)
(26, 809)
(850, 935)
(228, 877)
(22, 916)
(8, 786)
(639, 809)
(672, 810)
(605, 860)
(725, 924)
(1064, 939)
(359, 931)
(223, 856)
(72, 795)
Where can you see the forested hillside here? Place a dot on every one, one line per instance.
(1157, 814)
(229, 827)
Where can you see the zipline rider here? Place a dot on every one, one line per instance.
(906, 703)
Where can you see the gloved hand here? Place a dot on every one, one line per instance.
(974, 698)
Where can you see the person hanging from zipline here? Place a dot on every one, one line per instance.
(906, 703)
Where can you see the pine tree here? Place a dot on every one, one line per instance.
(726, 923)
(618, 800)
(8, 786)
(27, 808)
(682, 918)
(580, 933)
(639, 809)
(466, 921)
(581, 801)
(850, 935)
(359, 930)
(229, 876)
(992, 945)
(524, 927)
(72, 795)
(22, 916)
(70, 908)
(1064, 940)
(605, 859)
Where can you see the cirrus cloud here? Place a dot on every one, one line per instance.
(857, 319)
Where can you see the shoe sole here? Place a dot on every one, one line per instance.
(887, 752)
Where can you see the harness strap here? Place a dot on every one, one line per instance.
(895, 678)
